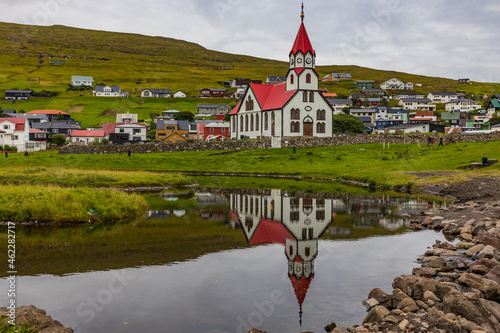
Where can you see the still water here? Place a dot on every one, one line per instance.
(226, 261)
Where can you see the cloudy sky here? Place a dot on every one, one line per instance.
(445, 38)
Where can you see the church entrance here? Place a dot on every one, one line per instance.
(308, 127)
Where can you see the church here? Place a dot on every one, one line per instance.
(293, 108)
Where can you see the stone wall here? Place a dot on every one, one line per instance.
(299, 142)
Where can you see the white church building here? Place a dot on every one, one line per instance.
(293, 108)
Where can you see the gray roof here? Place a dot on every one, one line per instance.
(182, 125)
(29, 116)
(57, 125)
(362, 110)
(497, 125)
(9, 111)
(159, 91)
(443, 93)
(365, 119)
(461, 100)
(416, 100)
(404, 126)
(19, 91)
(339, 101)
(101, 88)
(212, 105)
(276, 78)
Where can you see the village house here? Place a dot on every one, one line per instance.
(339, 104)
(20, 95)
(374, 92)
(368, 102)
(452, 118)
(336, 77)
(172, 130)
(127, 118)
(493, 106)
(86, 137)
(423, 104)
(408, 95)
(216, 132)
(63, 128)
(158, 93)
(205, 92)
(462, 105)
(16, 133)
(411, 128)
(371, 113)
(179, 94)
(293, 108)
(51, 114)
(364, 84)
(442, 96)
(396, 84)
(37, 135)
(213, 109)
(463, 81)
(32, 117)
(243, 82)
(495, 127)
(109, 91)
(79, 81)
(275, 79)
(388, 113)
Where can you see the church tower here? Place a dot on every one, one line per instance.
(302, 74)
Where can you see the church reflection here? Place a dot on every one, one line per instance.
(294, 222)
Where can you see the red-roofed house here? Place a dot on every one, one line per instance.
(14, 132)
(84, 137)
(216, 132)
(294, 108)
(52, 114)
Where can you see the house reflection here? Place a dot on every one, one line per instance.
(294, 222)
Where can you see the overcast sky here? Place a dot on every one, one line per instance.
(445, 38)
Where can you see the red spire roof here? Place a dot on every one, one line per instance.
(302, 42)
(300, 287)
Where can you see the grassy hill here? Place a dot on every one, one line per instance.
(135, 62)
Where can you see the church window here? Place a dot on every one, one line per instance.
(249, 104)
(320, 128)
(246, 123)
(241, 123)
(256, 122)
(311, 96)
(291, 79)
(295, 127)
(321, 115)
(295, 114)
(308, 78)
(304, 96)
(320, 215)
(251, 122)
(294, 216)
(290, 250)
(307, 251)
(234, 125)
(266, 121)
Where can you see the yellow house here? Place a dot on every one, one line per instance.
(172, 130)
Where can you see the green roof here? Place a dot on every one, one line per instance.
(495, 103)
(81, 78)
(450, 115)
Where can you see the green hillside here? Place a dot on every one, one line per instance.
(135, 62)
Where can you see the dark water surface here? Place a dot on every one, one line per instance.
(300, 261)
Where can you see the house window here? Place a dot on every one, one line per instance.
(137, 131)
(266, 120)
(311, 97)
(308, 78)
(122, 130)
(223, 130)
(6, 127)
(15, 138)
(211, 130)
(295, 127)
(321, 115)
(304, 96)
(320, 127)
(251, 122)
(55, 130)
(256, 122)
(294, 114)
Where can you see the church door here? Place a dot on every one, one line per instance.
(308, 127)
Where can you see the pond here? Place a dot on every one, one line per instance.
(224, 260)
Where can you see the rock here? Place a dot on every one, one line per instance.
(465, 245)
(36, 318)
(330, 327)
(488, 252)
(416, 286)
(467, 237)
(480, 269)
(391, 319)
(475, 249)
(424, 271)
(426, 221)
(460, 264)
(435, 263)
(490, 289)
(472, 311)
(430, 295)
(370, 303)
(254, 330)
(494, 274)
(403, 324)
(340, 330)
(408, 305)
(468, 325)
(492, 307)
(486, 238)
(376, 314)
(378, 294)
(446, 246)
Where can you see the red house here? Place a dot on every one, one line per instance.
(205, 92)
(216, 132)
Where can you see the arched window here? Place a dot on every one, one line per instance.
(311, 96)
(234, 123)
(304, 96)
(321, 115)
(246, 123)
(291, 78)
(241, 123)
(320, 128)
(308, 78)
(266, 120)
(251, 122)
(295, 127)
(294, 114)
(257, 122)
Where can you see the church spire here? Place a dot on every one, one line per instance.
(302, 14)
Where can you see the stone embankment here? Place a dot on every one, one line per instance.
(35, 318)
(298, 142)
(457, 287)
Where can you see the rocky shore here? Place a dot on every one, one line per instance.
(35, 318)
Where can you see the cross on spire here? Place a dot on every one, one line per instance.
(302, 14)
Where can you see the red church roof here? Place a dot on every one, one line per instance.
(269, 97)
(269, 232)
(300, 286)
(302, 42)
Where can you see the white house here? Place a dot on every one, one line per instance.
(405, 128)
(442, 96)
(293, 108)
(179, 94)
(15, 132)
(126, 118)
(109, 91)
(339, 104)
(136, 132)
(421, 104)
(86, 137)
(462, 105)
(165, 93)
(78, 81)
(396, 84)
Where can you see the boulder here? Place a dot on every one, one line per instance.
(416, 286)
(446, 246)
(494, 274)
(475, 249)
(488, 252)
(424, 271)
(490, 289)
(472, 311)
(330, 327)
(435, 263)
(376, 314)
(486, 238)
(36, 318)
(408, 305)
